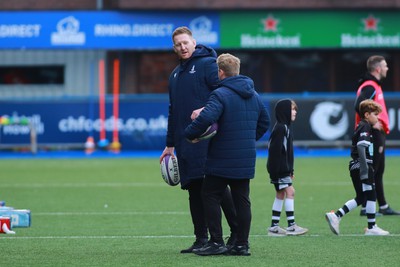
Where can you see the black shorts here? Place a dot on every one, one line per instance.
(354, 168)
(282, 183)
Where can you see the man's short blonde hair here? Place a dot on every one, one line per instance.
(229, 64)
(182, 30)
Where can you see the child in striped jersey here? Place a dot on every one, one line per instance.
(361, 171)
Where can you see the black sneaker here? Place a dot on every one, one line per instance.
(211, 248)
(231, 241)
(198, 244)
(239, 251)
(388, 211)
(364, 213)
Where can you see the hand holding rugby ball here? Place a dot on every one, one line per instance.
(170, 170)
(210, 132)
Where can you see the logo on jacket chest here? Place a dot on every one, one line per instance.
(192, 70)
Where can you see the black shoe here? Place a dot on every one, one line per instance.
(198, 244)
(239, 251)
(231, 241)
(364, 213)
(211, 248)
(388, 211)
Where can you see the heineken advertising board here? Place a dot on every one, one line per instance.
(310, 29)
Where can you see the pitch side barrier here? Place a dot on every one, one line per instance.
(328, 120)
(323, 120)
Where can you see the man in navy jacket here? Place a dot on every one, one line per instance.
(231, 158)
(190, 84)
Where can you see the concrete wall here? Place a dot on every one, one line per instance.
(76, 77)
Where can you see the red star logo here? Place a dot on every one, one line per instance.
(371, 23)
(270, 23)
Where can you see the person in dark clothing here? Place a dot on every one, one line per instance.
(370, 88)
(242, 119)
(190, 84)
(361, 171)
(280, 165)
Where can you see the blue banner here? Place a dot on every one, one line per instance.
(142, 122)
(103, 29)
(141, 125)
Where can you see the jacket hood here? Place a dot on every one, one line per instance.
(283, 111)
(200, 51)
(367, 77)
(204, 51)
(240, 84)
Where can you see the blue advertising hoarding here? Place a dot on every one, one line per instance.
(142, 125)
(142, 122)
(103, 30)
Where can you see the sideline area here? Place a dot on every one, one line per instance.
(71, 154)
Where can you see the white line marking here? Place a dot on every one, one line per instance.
(158, 184)
(80, 185)
(166, 236)
(109, 213)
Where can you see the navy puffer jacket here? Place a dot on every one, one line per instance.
(190, 85)
(242, 119)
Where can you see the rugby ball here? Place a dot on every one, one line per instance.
(210, 132)
(170, 170)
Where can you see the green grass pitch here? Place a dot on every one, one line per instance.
(119, 212)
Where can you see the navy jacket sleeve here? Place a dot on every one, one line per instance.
(170, 130)
(210, 114)
(211, 73)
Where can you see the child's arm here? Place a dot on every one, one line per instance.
(361, 146)
(276, 151)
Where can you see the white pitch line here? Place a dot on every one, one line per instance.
(160, 184)
(111, 185)
(109, 213)
(80, 185)
(96, 237)
(169, 236)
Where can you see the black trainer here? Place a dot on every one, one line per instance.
(239, 251)
(198, 244)
(211, 248)
(388, 211)
(231, 241)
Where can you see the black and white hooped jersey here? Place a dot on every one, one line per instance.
(362, 137)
